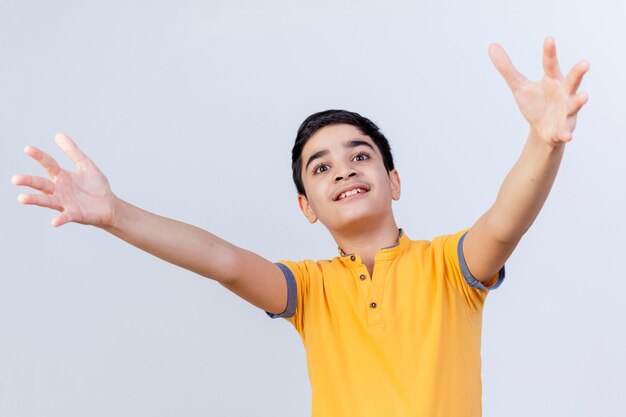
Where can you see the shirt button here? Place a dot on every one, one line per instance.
(362, 277)
(353, 258)
(373, 305)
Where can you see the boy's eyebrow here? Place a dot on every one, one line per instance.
(316, 155)
(353, 143)
(358, 142)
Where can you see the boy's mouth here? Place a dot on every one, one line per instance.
(350, 191)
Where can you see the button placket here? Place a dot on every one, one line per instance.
(374, 302)
(364, 286)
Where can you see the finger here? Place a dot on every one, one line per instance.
(38, 183)
(70, 148)
(567, 136)
(505, 67)
(48, 163)
(60, 220)
(41, 200)
(550, 62)
(577, 103)
(575, 76)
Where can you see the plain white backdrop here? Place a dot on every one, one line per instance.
(191, 108)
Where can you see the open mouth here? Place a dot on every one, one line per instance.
(349, 193)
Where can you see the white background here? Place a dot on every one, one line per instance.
(191, 109)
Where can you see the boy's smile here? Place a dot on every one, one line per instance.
(350, 191)
(346, 182)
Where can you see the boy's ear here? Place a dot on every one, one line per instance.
(394, 177)
(306, 209)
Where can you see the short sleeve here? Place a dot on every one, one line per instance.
(494, 283)
(291, 293)
(450, 248)
(297, 278)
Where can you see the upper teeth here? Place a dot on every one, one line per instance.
(351, 192)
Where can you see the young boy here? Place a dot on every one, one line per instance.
(391, 326)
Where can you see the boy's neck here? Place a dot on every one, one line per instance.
(367, 241)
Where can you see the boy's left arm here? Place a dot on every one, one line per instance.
(550, 106)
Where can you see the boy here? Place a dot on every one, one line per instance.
(391, 326)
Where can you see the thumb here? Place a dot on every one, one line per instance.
(505, 67)
(60, 220)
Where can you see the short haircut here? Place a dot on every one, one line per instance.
(316, 121)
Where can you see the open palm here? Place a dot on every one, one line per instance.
(83, 196)
(550, 105)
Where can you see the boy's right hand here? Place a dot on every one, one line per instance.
(83, 196)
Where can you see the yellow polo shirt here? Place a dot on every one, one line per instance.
(403, 343)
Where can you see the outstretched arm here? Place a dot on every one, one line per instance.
(84, 196)
(550, 106)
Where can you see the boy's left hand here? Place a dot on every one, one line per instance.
(551, 104)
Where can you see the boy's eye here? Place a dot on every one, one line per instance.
(320, 168)
(361, 157)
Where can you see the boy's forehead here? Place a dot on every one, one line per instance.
(334, 136)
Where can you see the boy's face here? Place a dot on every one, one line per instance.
(345, 179)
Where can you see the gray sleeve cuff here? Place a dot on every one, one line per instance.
(291, 293)
(469, 278)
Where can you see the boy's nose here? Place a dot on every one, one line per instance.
(350, 174)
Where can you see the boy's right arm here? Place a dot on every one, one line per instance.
(245, 273)
(85, 197)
